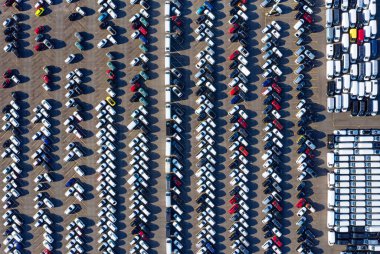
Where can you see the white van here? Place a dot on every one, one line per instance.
(372, 9)
(330, 218)
(368, 88)
(354, 89)
(338, 85)
(330, 161)
(374, 64)
(354, 72)
(167, 8)
(329, 34)
(373, 26)
(330, 69)
(167, 43)
(330, 104)
(368, 71)
(330, 199)
(168, 111)
(345, 42)
(345, 102)
(344, 5)
(167, 61)
(345, 21)
(375, 89)
(354, 52)
(167, 26)
(346, 83)
(375, 107)
(168, 147)
(367, 33)
(168, 93)
(167, 78)
(329, 17)
(366, 15)
(352, 14)
(367, 50)
(346, 63)
(338, 102)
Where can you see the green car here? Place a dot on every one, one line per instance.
(111, 66)
(79, 45)
(143, 48)
(144, 75)
(143, 101)
(144, 21)
(143, 92)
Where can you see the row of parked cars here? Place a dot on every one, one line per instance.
(12, 219)
(305, 62)
(12, 31)
(174, 167)
(239, 136)
(273, 138)
(351, 52)
(139, 159)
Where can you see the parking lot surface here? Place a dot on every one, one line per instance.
(93, 64)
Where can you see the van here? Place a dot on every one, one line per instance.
(330, 69)
(167, 8)
(168, 93)
(338, 103)
(354, 72)
(168, 199)
(168, 111)
(353, 52)
(169, 246)
(330, 178)
(337, 68)
(374, 69)
(373, 27)
(345, 22)
(368, 71)
(329, 17)
(354, 89)
(361, 71)
(345, 102)
(367, 33)
(353, 35)
(330, 34)
(330, 219)
(368, 88)
(367, 51)
(346, 63)
(167, 77)
(167, 61)
(167, 26)
(330, 104)
(331, 198)
(375, 107)
(352, 17)
(345, 42)
(375, 88)
(133, 124)
(374, 229)
(168, 147)
(167, 43)
(346, 83)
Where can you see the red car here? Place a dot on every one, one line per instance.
(277, 205)
(360, 39)
(46, 251)
(135, 26)
(39, 47)
(309, 153)
(6, 83)
(308, 18)
(234, 200)
(111, 75)
(143, 30)
(242, 123)
(234, 55)
(277, 88)
(277, 241)
(7, 73)
(177, 20)
(275, 105)
(234, 90)
(46, 78)
(244, 151)
(176, 181)
(135, 87)
(301, 203)
(234, 28)
(233, 209)
(278, 124)
(143, 235)
(39, 30)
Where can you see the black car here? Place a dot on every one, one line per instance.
(267, 182)
(268, 190)
(234, 38)
(201, 90)
(242, 34)
(243, 42)
(8, 38)
(268, 100)
(8, 30)
(301, 86)
(234, 11)
(301, 194)
(104, 24)
(200, 19)
(234, 73)
(301, 186)
(134, 79)
(301, 229)
(298, 15)
(234, 119)
(362, 108)
(234, 2)
(267, 109)
(135, 97)
(268, 234)
(234, 64)
(75, 16)
(268, 145)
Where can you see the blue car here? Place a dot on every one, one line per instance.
(103, 16)
(208, 5)
(267, 82)
(70, 182)
(143, 39)
(46, 140)
(201, 10)
(373, 49)
(235, 99)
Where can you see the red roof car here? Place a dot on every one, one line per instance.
(46, 251)
(143, 30)
(111, 74)
(360, 39)
(6, 83)
(46, 78)
(277, 205)
(277, 241)
(234, 55)
(244, 151)
(39, 47)
(39, 30)
(277, 88)
(308, 18)
(135, 87)
(234, 200)
(177, 20)
(176, 181)
(278, 124)
(234, 28)
(233, 209)
(301, 203)
(275, 105)
(242, 123)
(234, 90)
(7, 73)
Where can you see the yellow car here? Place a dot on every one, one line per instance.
(40, 11)
(110, 101)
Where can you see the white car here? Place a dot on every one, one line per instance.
(112, 13)
(102, 43)
(111, 92)
(210, 59)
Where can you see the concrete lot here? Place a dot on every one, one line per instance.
(94, 64)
